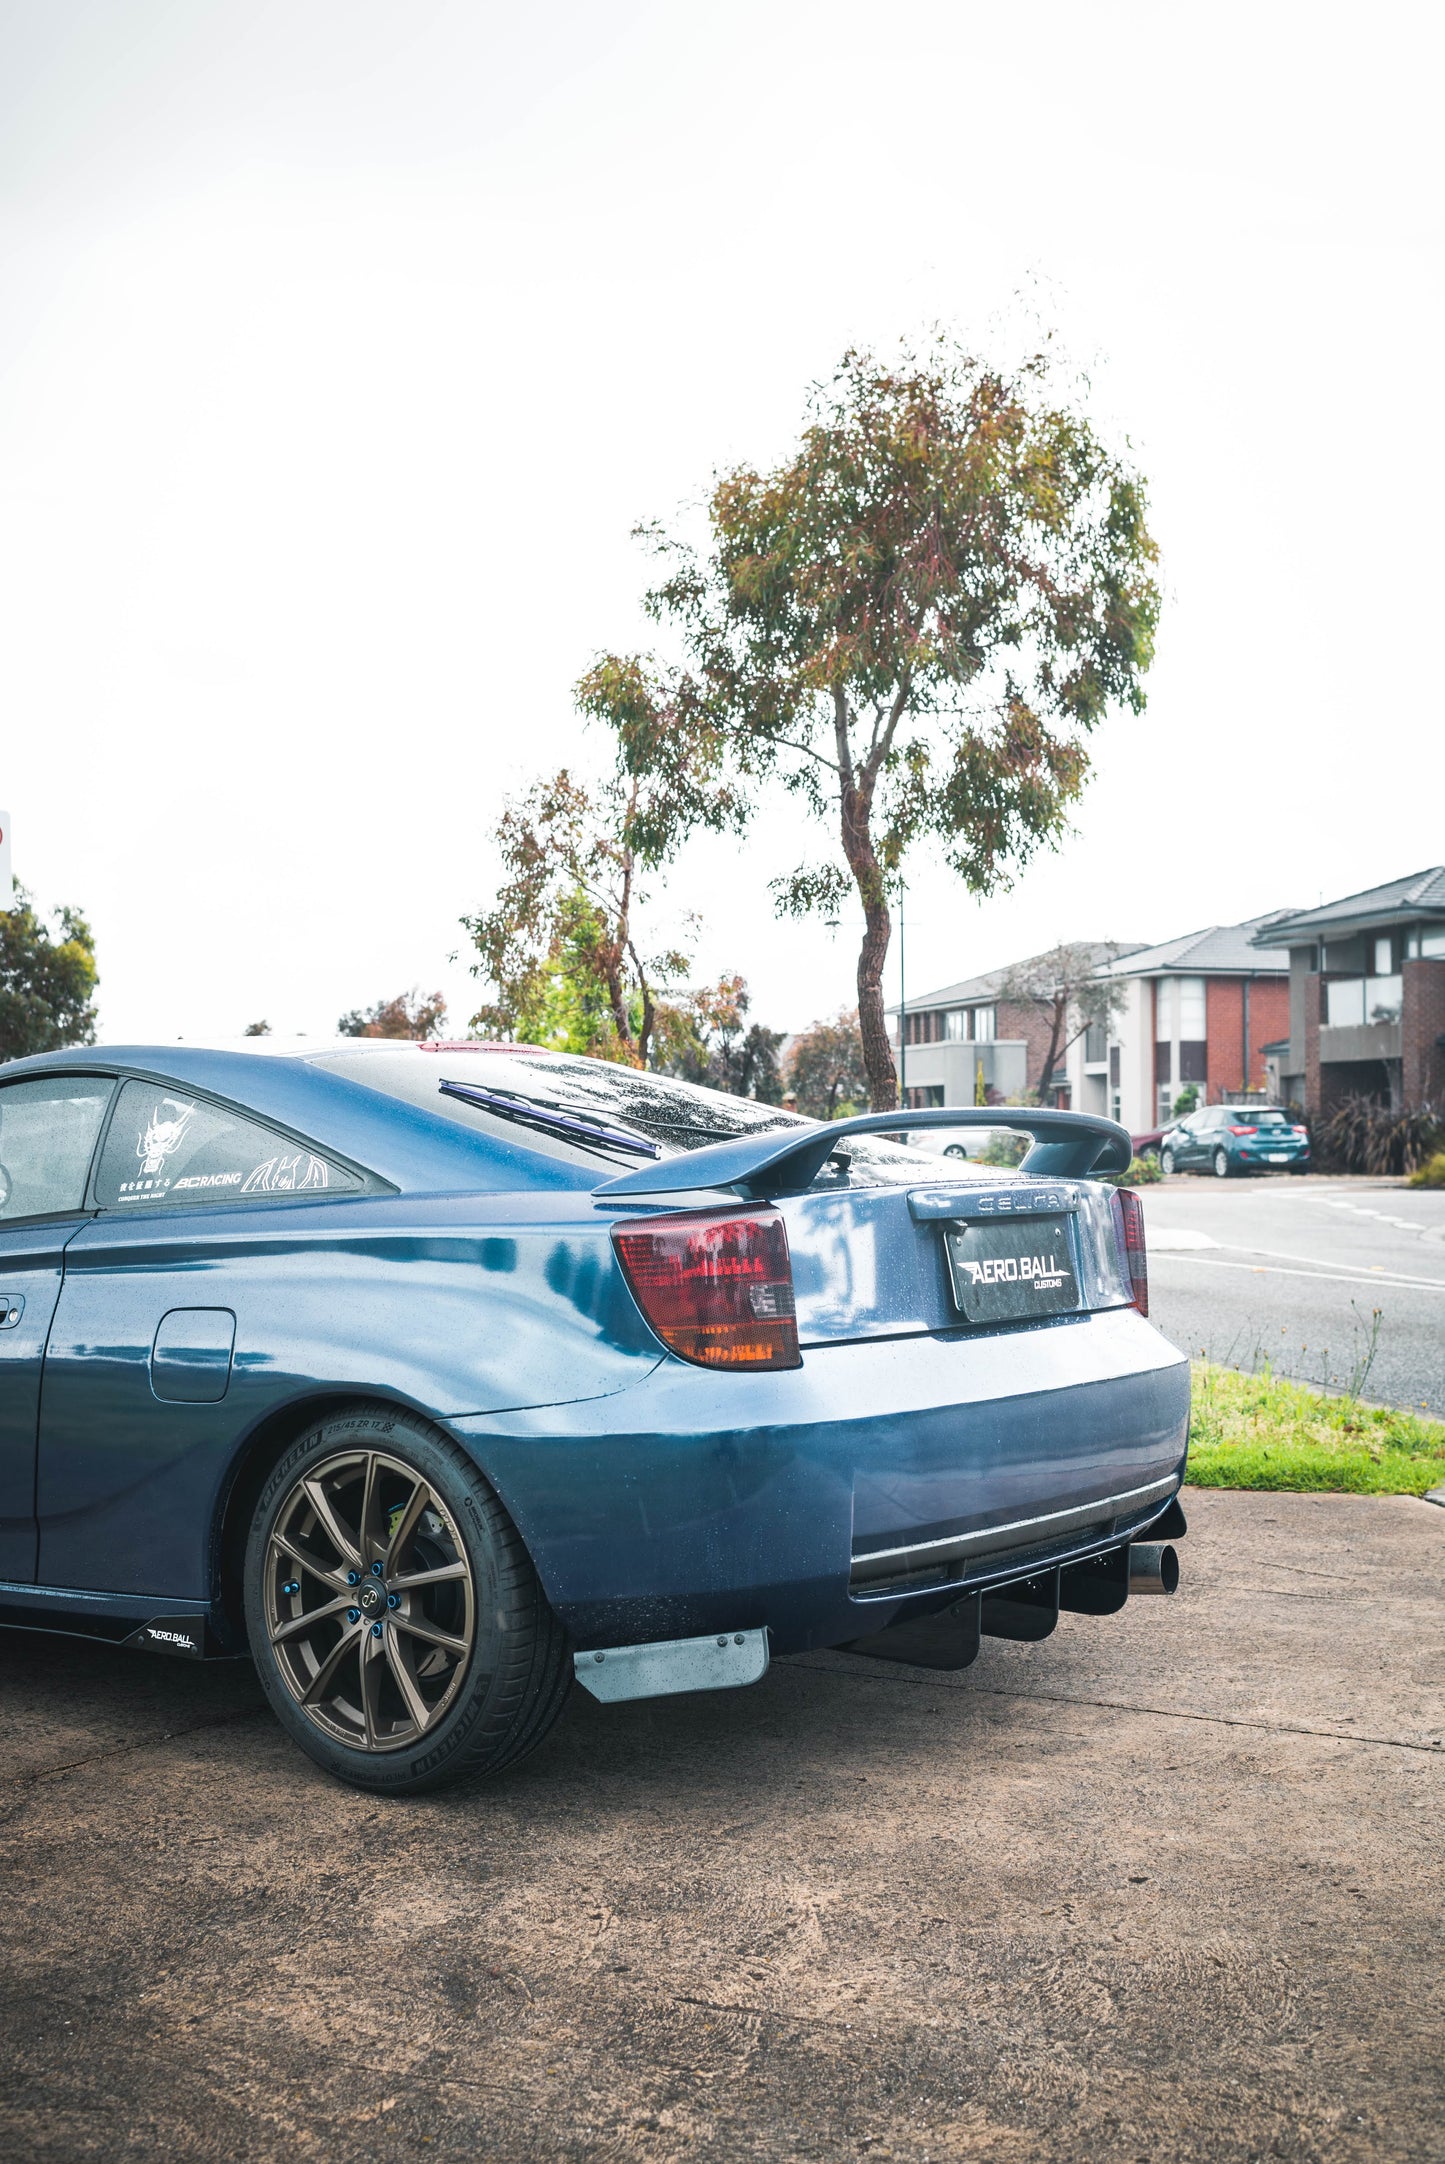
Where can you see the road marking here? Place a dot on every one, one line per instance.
(1401, 1224)
(1281, 1254)
(1338, 1277)
(1164, 1240)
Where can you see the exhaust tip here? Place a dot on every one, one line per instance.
(1153, 1568)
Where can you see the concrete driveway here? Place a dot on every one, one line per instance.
(1292, 1270)
(1167, 1886)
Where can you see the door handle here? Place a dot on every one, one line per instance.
(12, 1307)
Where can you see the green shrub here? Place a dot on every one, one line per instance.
(1431, 1173)
(1142, 1172)
(1006, 1147)
(1362, 1135)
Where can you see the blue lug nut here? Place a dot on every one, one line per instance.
(393, 1600)
(353, 1577)
(376, 1570)
(376, 1630)
(353, 1615)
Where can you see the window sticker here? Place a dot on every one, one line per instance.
(168, 1152)
(288, 1175)
(164, 1134)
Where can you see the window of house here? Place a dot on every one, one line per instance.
(48, 1132)
(1383, 998)
(1095, 1044)
(1345, 1002)
(1192, 1021)
(985, 1024)
(1384, 955)
(166, 1148)
(956, 1025)
(1430, 946)
(925, 1097)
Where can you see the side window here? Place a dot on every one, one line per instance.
(166, 1147)
(48, 1131)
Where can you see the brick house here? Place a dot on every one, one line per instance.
(965, 1032)
(1367, 996)
(1200, 1009)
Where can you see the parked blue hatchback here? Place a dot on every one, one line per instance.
(1226, 1139)
(437, 1377)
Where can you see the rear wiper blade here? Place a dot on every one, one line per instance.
(509, 1107)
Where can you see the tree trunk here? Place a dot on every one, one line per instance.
(1058, 1044)
(1056, 1029)
(616, 961)
(857, 806)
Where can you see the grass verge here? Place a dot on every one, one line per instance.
(1258, 1431)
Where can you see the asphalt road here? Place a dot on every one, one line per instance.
(1167, 1887)
(1293, 1270)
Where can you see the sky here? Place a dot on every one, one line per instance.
(343, 343)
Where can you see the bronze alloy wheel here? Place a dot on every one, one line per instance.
(369, 1600)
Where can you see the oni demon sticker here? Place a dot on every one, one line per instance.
(164, 1134)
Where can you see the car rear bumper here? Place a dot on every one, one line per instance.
(822, 1501)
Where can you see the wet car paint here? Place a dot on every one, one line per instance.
(475, 1283)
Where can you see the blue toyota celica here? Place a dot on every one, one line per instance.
(439, 1376)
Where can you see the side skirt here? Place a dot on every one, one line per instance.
(141, 1620)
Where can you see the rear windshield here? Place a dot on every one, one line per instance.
(1247, 1116)
(676, 1116)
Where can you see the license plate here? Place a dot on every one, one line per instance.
(1279, 1157)
(1005, 1273)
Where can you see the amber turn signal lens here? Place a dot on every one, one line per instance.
(716, 1286)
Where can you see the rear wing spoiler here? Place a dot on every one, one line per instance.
(787, 1160)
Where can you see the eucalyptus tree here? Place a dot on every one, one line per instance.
(914, 622)
(47, 979)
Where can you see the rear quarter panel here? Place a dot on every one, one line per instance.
(451, 1306)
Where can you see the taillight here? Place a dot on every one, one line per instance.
(716, 1286)
(1244, 1130)
(1129, 1223)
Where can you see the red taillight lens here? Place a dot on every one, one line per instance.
(715, 1286)
(1129, 1223)
(1244, 1130)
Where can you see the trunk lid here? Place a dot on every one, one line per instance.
(965, 1255)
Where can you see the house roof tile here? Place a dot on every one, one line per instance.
(1418, 894)
(1230, 950)
(970, 990)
